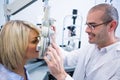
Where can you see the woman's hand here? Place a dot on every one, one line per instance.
(54, 61)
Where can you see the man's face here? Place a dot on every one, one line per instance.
(96, 34)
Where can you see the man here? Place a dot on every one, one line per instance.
(98, 61)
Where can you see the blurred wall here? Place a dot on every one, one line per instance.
(59, 9)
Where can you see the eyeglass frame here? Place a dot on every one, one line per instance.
(93, 25)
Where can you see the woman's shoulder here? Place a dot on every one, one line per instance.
(6, 74)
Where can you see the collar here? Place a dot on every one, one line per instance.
(115, 45)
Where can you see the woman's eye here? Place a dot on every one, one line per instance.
(35, 41)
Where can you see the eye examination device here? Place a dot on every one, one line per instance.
(46, 31)
(72, 26)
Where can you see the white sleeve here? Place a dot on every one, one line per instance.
(68, 77)
(70, 58)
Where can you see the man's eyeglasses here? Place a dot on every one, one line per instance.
(93, 25)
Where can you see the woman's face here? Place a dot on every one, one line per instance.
(32, 44)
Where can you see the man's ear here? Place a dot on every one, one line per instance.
(113, 25)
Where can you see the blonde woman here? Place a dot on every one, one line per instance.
(18, 41)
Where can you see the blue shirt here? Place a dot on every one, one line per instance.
(6, 74)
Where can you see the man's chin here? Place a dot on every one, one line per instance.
(91, 42)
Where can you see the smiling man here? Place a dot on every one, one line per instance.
(98, 61)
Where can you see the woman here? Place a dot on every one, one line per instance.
(18, 41)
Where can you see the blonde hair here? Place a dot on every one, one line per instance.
(14, 41)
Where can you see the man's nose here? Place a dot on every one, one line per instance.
(88, 29)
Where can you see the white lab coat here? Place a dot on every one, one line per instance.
(107, 68)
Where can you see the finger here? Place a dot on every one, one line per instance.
(55, 46)
(50, 56)
(54, 49)
(54, 53)
(53, 28)
(46, 60)
(55, 62)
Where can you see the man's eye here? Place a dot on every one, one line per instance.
(93, 26)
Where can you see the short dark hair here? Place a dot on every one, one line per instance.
(110, 12)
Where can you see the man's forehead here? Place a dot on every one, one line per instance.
(95, 15)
